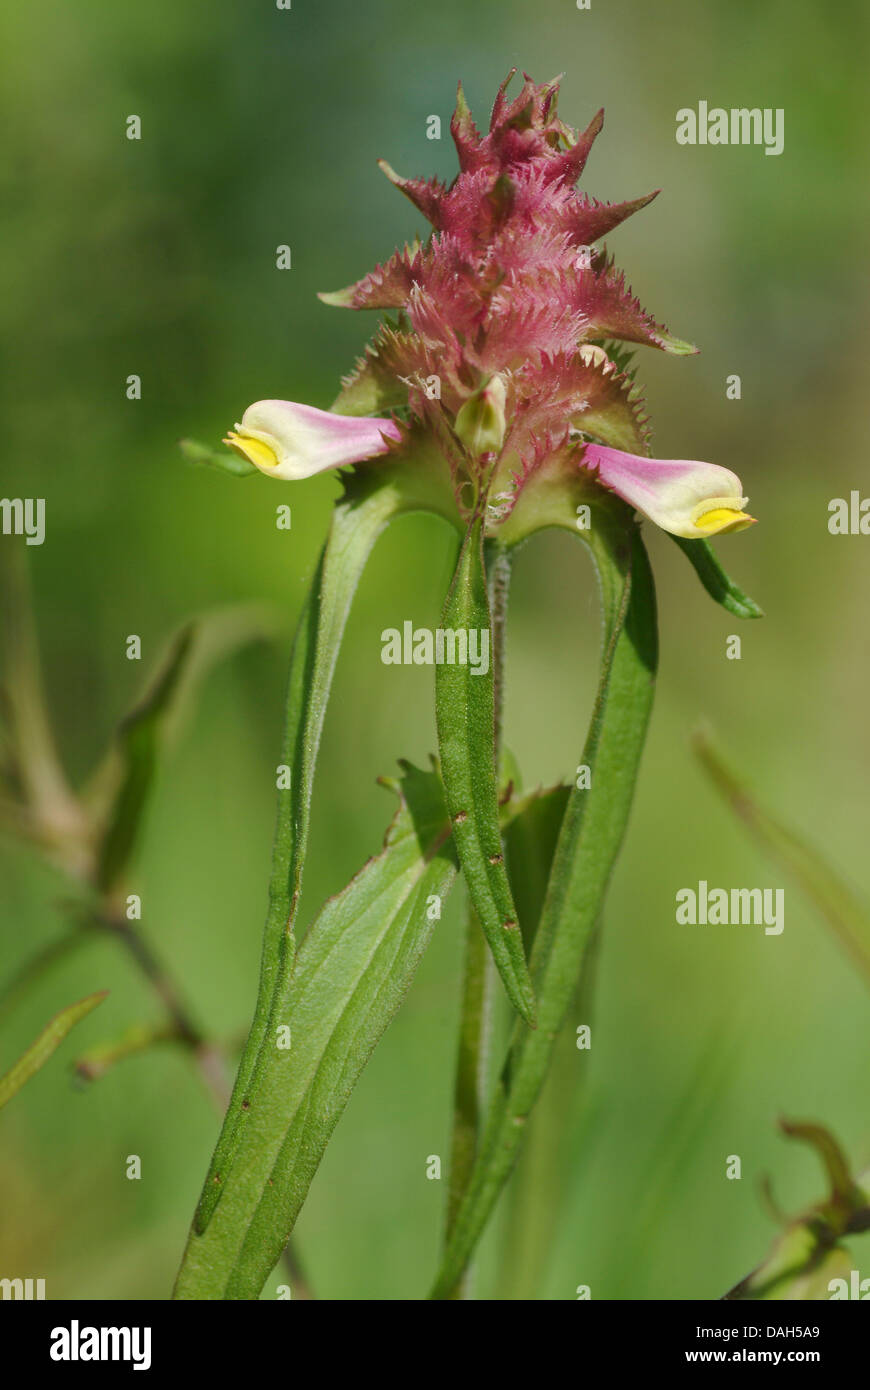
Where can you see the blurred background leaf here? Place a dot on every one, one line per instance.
(837, 904)
(42, 1047)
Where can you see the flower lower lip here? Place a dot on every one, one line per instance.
(724, 519)
(254, 450)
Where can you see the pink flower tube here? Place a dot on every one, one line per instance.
(291, 441)
(682, 496)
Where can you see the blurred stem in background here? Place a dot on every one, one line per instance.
(472, 1057)
(808, 1258)
(845, 914)
(36, 801)
(92, 837)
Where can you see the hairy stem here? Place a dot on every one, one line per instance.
(589, 841)
(476, 1013)
(541, 1181)
(475, 1024)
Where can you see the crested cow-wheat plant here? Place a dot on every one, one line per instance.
(498, 394)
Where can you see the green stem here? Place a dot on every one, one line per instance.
(475, 1026)
(466, 723)
(475, 1023)
(537, 1190)
(581, 869)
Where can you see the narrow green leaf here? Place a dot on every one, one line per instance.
(535, 1198)
(530, 838)
(139, 738)
(716, 581)
(472, 1058)
(465, 715)
(357, 521)
(589, 841)
(48, 1041)
(351, 972)
(224, 460)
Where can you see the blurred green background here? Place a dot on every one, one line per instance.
(157, 257)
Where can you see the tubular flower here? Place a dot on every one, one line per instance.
(504, 349)
(295, 441)
(690, 499)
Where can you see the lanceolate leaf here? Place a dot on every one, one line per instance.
(48, 1041)
(589, 841)
(535, 1195)
(465, 714)
(356, 524)
(352, 970)
(530, 838)
(716, 581)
